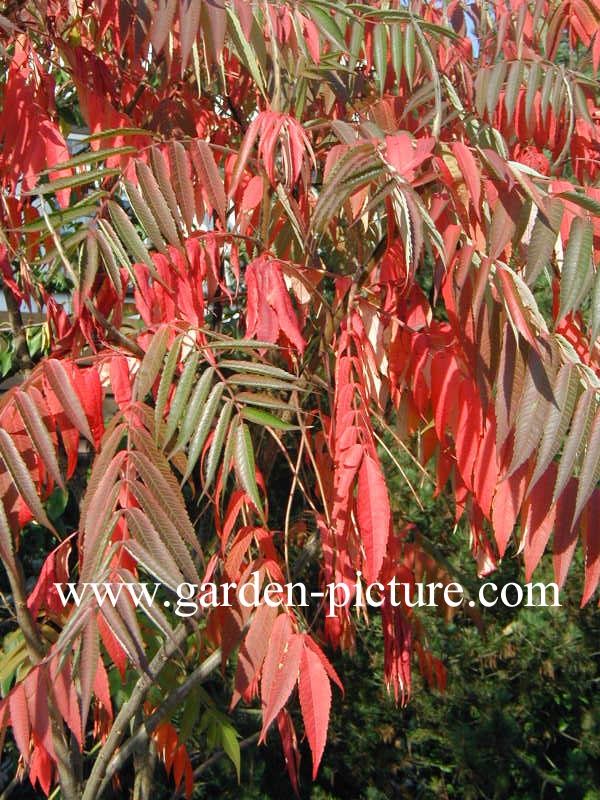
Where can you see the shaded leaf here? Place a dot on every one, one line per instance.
(590, 468)
(556, 423)
(21, 478)
(577, 265)
(39, 435)
(65, 392)
(157, 203)
(204, 424)
(543, 238)
(182, 180)
(151, 363)
(145, 217)
(166, 380)
(195, 408)
(182, 394)
(580, 425)
(210, 178)
(126, 230)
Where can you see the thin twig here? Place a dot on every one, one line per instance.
(127, 712)
(16, 781)
(115, 333)
(400, 470)
(142, 735)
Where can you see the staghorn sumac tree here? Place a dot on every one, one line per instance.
(300, 238)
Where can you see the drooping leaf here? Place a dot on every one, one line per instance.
(124, 627)
(21, 478)
(508, 497)
(373, 515)
(280, 672)
(595, 308)
(538, 519)
(195, 408)
(543, 239)
(155, 555)
(108, 258)
(19, 718)
(243, 457)
(157, 203)
(64, 390)
(170, 534)
(246, 53)
(165, 187)
(511, 378)
(289, 741)
(129, 236)
(328, 26)
(565, 532)
(590, 467)
(231, 746)
(216, 446)
(182, 394)
(556, 423)
(88, 667)
(380, 54)
(108, 237)
(203, 427)
(162, 23)
(189, 19)
(145, 216)
(162, 487)
(580, 425)
(40, 437)
(182, 181)
(536, 403)
(101, 463)
(166, 380)
(210, 178)
(7, 550)
(315, 702)
(99, 519)
(90, 266)
(253, 649)
(591, 546)
(151, 363)
(577, 265)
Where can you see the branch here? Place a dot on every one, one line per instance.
(115, 333)
(236, 114)
(133, 102)
(142, 735)
(35, 650)
(16, 781)
(106, 766)
(127, 712)
(17, 329)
